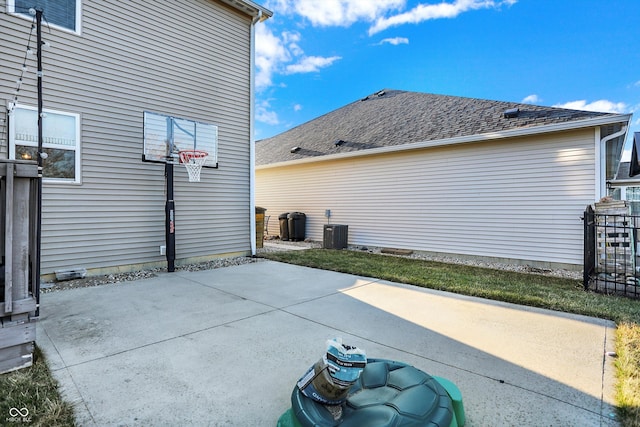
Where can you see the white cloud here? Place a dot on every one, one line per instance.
(426, 12)
(395, 41)
(601, 106)
(283, 54)
(270, 53)
(309, 64)
(273, 52)
(291, 39)
(264, 113)
(297, 107)
(532, 99)
(339, 13)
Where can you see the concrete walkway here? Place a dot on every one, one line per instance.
(225, 347)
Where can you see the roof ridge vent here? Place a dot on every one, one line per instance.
(511, 113)
(338, 142)
(375, 95)
(295, 149)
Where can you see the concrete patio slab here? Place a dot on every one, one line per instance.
(225, 347)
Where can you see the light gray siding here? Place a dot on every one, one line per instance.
(186, 58)
(518, 199)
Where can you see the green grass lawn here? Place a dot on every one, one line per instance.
(35, 389)
(533, 290)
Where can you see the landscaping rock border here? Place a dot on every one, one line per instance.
(278, 246)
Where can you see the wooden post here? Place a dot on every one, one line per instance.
(18, 302)
(8, 244)
(20, 244)
(34, 224)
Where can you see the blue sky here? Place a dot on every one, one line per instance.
(314, 56)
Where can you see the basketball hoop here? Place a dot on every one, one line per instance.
(193, 161)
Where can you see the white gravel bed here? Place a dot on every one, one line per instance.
(279, 246)
(117, 278)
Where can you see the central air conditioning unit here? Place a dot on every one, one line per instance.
(335, 236)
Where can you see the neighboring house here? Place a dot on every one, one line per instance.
(444, 174)
(626, 187)
(106, 64)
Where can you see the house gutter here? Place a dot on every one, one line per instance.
(511, 133)
(602, 190)
(252, 140)
(251, 8)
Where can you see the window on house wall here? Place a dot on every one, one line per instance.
(613, 154)
(633, 197)
(59, 13)
(60, 142)
(613, 150)
(615, 193)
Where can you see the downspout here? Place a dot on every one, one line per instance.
(603, 160)
(252, 148)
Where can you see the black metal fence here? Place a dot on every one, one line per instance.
(611, 262)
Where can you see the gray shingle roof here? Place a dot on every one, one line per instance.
(394, 117)
(623, 173)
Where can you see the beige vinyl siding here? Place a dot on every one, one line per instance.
(518, 199)
(186, 58)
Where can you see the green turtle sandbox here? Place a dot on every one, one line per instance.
(387, 394)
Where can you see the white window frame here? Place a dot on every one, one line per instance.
(11, 8)
(13, 142)
(626, 195)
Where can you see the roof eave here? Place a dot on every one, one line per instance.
(511, 133)
(251, 8)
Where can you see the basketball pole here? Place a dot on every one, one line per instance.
(169, 207)
(38, 248)
(169, 212)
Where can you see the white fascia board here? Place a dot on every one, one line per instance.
(251, 8)
(511, 133)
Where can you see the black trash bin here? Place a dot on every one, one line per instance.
(284, 226)
(297, 226)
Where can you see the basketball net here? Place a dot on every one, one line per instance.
(193, 161)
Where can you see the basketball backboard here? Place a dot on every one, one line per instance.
(165, 136)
